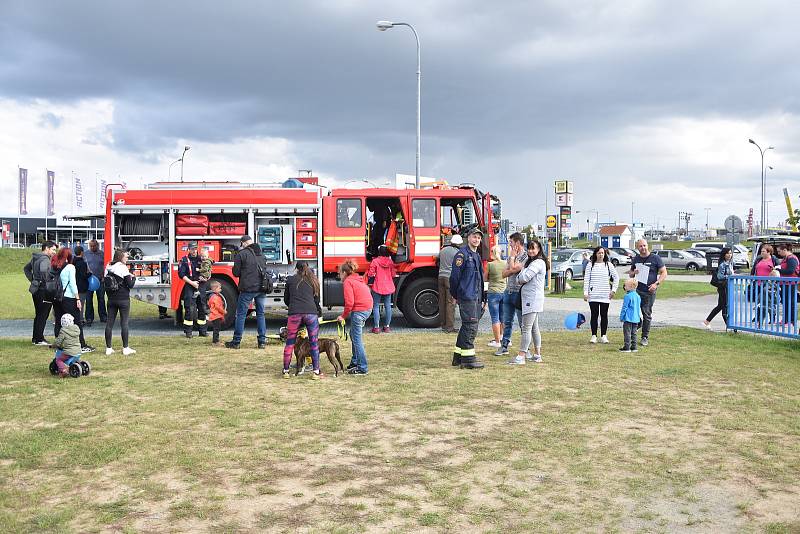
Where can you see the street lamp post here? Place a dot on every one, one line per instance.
(763, 180)
(169, 171)
(183, 156)
(384, 25)
(707, 211)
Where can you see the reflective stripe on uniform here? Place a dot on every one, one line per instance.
(457, 350)
(187, 323)
(201, 321)
(468, 352)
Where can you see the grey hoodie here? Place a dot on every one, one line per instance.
(36, 270)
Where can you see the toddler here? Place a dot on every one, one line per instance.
(630, 315)
(216, 308)
(67, 343)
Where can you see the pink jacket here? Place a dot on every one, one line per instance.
(384, 271)
(356, 295)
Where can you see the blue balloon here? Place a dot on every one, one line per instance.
(94, 283)
(574, 320)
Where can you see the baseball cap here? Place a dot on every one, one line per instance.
(192, 245)
(476, 230)
(245, 238)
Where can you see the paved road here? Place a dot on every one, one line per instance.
(668, 312)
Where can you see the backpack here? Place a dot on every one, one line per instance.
(716, 282)
(53, 288)
(267, 284)
(111, 283)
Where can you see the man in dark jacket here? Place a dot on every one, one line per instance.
(36, 272)
(96, 262)
(249, 266)
(194, 309)
(82, 280)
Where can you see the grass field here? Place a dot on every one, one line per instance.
(698, 432)
(670, 290)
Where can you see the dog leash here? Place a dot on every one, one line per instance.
(340, 328)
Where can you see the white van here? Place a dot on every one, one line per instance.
(741, 258)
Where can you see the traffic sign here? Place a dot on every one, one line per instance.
(551, 221)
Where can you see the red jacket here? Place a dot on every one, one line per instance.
(357, 296)
(216, 306)
(383, 269)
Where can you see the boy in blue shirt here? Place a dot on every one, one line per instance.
(630, 315)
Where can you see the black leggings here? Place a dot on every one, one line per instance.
(600, 308)
(722, 305)
(68, 305)
(124, 309)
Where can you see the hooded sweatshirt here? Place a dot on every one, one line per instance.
(36, 270)
(126, 282)
(68, 340)
(383, 269)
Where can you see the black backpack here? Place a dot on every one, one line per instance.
(53, 288)
(111, 283)
(267, 284)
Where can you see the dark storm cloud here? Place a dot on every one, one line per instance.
(499, 78)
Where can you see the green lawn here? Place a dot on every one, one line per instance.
(670, 290)
(698, 431)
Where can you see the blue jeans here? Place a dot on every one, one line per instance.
(357, 321)
(242, 307)
(495, 310)
(509, 310)
(376, 309)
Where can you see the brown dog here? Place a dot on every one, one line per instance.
(302, 349)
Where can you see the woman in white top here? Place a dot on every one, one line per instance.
(532, 278)
(600, 282)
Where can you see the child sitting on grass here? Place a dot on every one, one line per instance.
(67, 343)
(216, 308)
(630, 315)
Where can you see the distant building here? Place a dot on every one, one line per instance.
(31, 230)
(619, 235)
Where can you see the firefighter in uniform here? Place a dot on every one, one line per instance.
(466, 287)
(193, 306)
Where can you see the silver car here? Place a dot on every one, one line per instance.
(617, 258)
(569, 262)
(678, 259)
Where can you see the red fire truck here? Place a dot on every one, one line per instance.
(308, 223)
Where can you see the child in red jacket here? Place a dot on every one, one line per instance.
(357, 304)
(216, 307)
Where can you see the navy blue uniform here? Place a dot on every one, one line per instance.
(194, 306)
(466, 286)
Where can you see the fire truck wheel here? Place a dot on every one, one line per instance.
(229, 295)
(420, 303)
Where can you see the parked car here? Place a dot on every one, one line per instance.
(623, 251)
(741, 257)
(14, 245)
(618, 259)
(569, 262)
(696, 252)
(678, 259)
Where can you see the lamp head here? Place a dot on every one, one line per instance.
(751, 141)
(186, 148)
(770, 148)
(384, 25)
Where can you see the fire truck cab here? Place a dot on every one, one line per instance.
(293, 223)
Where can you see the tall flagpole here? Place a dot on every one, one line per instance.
(19, 196)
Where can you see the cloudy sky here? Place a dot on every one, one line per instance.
(649, 102)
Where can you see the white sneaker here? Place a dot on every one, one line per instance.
(127, 351)
(493, 343)
(603, 339)
(110, 351)
(593, 339)
(517, 360)
(706, 326)
(537, 358)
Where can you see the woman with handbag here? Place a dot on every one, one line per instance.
(532, 278)
(380, 278)
(600, 282)
(724, 270)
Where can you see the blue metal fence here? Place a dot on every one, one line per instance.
(763, 304)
